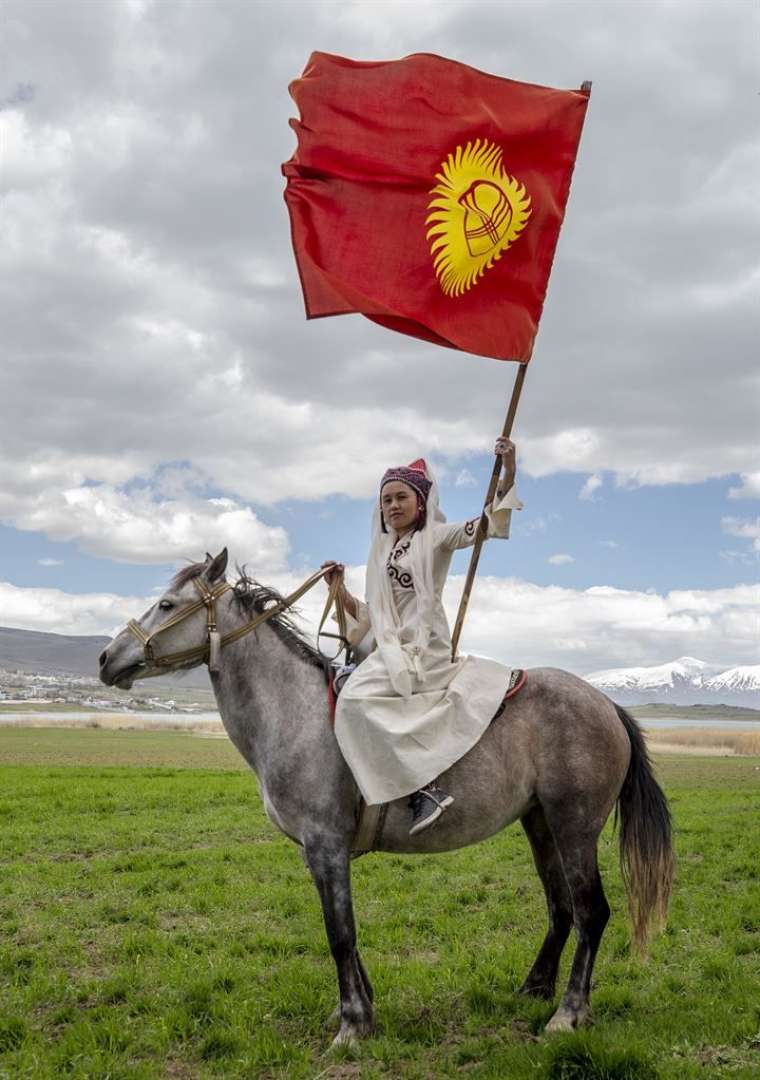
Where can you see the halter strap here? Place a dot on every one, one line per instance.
(207, 599)
(208, 652)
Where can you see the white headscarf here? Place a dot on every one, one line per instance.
(402, 661)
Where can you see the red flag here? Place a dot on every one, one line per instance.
(429, 196)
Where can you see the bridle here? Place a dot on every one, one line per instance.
(211, 649)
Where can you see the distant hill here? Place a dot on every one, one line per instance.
(67, 654)
(685, 681)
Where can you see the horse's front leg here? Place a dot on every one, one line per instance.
(329, 861)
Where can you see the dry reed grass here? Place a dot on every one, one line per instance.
(115, 722)
(704, 740)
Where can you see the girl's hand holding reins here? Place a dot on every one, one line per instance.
(336, 569)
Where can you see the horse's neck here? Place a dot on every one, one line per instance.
(272, 701)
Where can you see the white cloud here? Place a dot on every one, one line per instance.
(30, 155)
(611, 544)
(138, 527)
(465, 478)
(514, 621)
(583, 630)
(383, 20)
(591, 485)
(749, 488)
(59, 612)
(750, 530)
(538, 523)
(568, 449)
(560, 559)
(50, 562)
(734, 558)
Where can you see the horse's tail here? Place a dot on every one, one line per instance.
(646, 846)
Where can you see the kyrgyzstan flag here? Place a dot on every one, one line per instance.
(429, 197)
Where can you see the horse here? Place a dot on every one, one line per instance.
(558, 757)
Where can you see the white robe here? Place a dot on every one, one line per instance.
(396, 745)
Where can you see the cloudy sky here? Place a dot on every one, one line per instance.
(161, 392)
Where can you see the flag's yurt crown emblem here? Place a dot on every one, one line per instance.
(476, 213)
(487, 216)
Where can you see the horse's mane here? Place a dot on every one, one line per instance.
(187, 573)
(253, 599)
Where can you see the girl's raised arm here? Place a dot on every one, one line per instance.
(462, 534)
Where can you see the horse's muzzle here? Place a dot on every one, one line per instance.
(112, 675)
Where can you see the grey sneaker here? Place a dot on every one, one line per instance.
(427, 805)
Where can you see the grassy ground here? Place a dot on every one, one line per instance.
(153, 924)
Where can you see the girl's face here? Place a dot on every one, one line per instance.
(398, 503)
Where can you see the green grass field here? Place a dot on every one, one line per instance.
(154, 924)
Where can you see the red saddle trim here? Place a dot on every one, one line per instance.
(518, 685)
(521, 681)
(331, 696)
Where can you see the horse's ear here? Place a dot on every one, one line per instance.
(209, 557)
(217, 566)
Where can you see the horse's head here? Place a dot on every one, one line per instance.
(178, 632)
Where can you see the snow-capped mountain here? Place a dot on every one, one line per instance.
(737, 680)
(686, 681)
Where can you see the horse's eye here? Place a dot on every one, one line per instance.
(166, 605)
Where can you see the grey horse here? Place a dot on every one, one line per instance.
(558, 757)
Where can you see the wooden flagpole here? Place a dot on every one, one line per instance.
(483, 523)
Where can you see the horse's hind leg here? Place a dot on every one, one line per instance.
(330, 867)
(576, 842)
(542, 977)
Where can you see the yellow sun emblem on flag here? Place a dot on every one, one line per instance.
(477, 212)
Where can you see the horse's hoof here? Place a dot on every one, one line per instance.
(349, 1035)
(345, 1040)
(563, 1020)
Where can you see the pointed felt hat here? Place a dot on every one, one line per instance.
(415, 475)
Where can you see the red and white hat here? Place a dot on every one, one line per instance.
(414, 474)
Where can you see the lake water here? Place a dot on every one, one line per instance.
(679, 722)
(210, 720)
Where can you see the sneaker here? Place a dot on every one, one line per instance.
(427, 805)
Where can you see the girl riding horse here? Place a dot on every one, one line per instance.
(408, 712)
